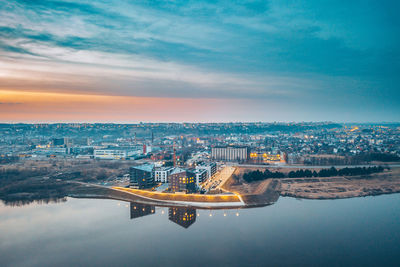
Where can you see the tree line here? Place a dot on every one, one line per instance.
(302, 173)
(362, 158)
(383, 157)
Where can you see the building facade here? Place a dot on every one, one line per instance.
(117, 152)
(161, 174)
(109, 154)
(201, 176)
(211, 168)
(181, 180)
(230, 153)
(142, 176)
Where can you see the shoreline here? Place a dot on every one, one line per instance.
(93, 192)
(242, 195)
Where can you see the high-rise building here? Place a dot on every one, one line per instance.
(142, 176)
(230, 153)
(182, 216)
(181, 180)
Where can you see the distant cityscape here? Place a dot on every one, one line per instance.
(184, 157)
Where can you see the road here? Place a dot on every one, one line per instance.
(219, 178)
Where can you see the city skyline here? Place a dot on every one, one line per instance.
(123, 62)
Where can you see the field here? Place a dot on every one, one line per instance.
(318, 187)
(342, 187)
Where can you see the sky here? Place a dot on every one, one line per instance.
(199, 61)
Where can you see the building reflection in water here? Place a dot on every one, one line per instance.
(140, 210)
(185, 217)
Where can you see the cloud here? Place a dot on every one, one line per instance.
(105, 73)
(283, 51)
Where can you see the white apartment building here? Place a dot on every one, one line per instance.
(109, 154)
(230, 153)
(201, 176)
(211, 168)
(161, 174)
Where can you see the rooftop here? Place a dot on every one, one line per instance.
(178, 170)
(164, 168)
(144, 167)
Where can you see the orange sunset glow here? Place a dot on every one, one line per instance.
(44, 106)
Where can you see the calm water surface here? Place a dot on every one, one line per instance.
(86, 232)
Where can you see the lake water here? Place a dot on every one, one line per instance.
(87, 232)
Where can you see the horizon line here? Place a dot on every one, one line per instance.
(210, 122)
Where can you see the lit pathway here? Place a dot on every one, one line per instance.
(187, 199)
